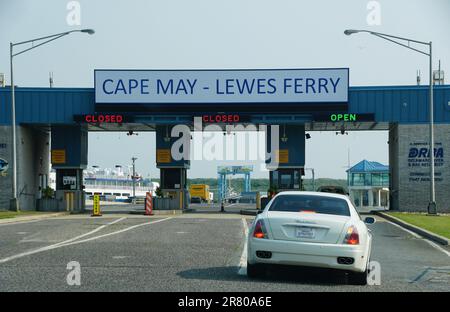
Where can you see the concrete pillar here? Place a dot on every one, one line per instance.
(370, 195)
(69, 158)
(379, 197)
(173, 164)
(32, 165)
(361, 198)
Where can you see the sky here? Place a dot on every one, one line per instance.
(199, 34)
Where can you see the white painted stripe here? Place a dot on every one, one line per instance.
(433, 244)
(243, 261)
(116, 232)
(57, 245)
(92, 232)
(21, 222)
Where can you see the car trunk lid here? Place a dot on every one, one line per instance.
(306, 226)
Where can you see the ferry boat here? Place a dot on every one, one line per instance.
(116, 184)
(112, 184)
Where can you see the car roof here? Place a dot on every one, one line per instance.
(321, 194)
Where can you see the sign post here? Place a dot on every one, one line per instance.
(148, 204)
(96, 208)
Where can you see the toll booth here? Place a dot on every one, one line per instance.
(172, 158)
(286, 161)
(69, 158)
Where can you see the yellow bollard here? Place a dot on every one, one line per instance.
(96, 208)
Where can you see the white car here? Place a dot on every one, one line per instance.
(310, 229)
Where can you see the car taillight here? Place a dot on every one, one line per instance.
(260, 230)
(352, 236)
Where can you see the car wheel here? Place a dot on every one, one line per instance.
(255, 270)
(358, 278)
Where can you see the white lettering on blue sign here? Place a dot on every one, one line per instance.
(222, 86)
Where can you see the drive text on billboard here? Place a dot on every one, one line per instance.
(222, 86)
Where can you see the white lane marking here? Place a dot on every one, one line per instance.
(243, 261)
(120, 257)
(433, 244)
(93, 231)
(22, 233)
(116, 232)
(60, 244)
(21, 222)
(31, 238)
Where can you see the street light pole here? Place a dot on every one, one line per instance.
(432, 209)
(14, 205)
(14, 202)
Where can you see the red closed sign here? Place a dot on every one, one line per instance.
(221, 118)
(103, 118)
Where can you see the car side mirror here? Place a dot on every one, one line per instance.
(369, 220)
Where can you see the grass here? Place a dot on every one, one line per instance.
(436, 224)
(13, 214)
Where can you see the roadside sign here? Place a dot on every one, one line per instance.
(3, 166)
(148, 204)
(163, 156)
(58, 156)
(283, 156)
(96, 208)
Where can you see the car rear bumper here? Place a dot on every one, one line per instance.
(308, 254)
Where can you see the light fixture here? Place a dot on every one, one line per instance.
(88, 31)
(167, 138)
(284, 138)
(349, 32)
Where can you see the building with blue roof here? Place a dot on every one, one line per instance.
(368, 184)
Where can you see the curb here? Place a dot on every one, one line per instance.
(32, 217)
(431, 236)
(249, 212)
(157, 212)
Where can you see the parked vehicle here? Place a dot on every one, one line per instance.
(332, 189)
(310, 229)
(200, 191)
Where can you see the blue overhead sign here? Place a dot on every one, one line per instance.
(222, 86)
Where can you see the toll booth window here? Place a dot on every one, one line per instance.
(172, 178)
(297, 179)
(286, 181)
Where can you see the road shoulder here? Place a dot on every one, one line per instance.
(33, 217)
(413, 228)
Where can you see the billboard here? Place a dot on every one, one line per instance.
(221, 86)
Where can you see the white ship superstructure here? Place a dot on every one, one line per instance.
(113, 184)
(116, 184)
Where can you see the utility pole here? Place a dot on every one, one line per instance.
(134, 179)
(406, 42)
(37, 42)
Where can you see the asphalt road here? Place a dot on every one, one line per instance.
(192, 252)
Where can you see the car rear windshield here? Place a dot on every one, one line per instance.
(310, 203)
